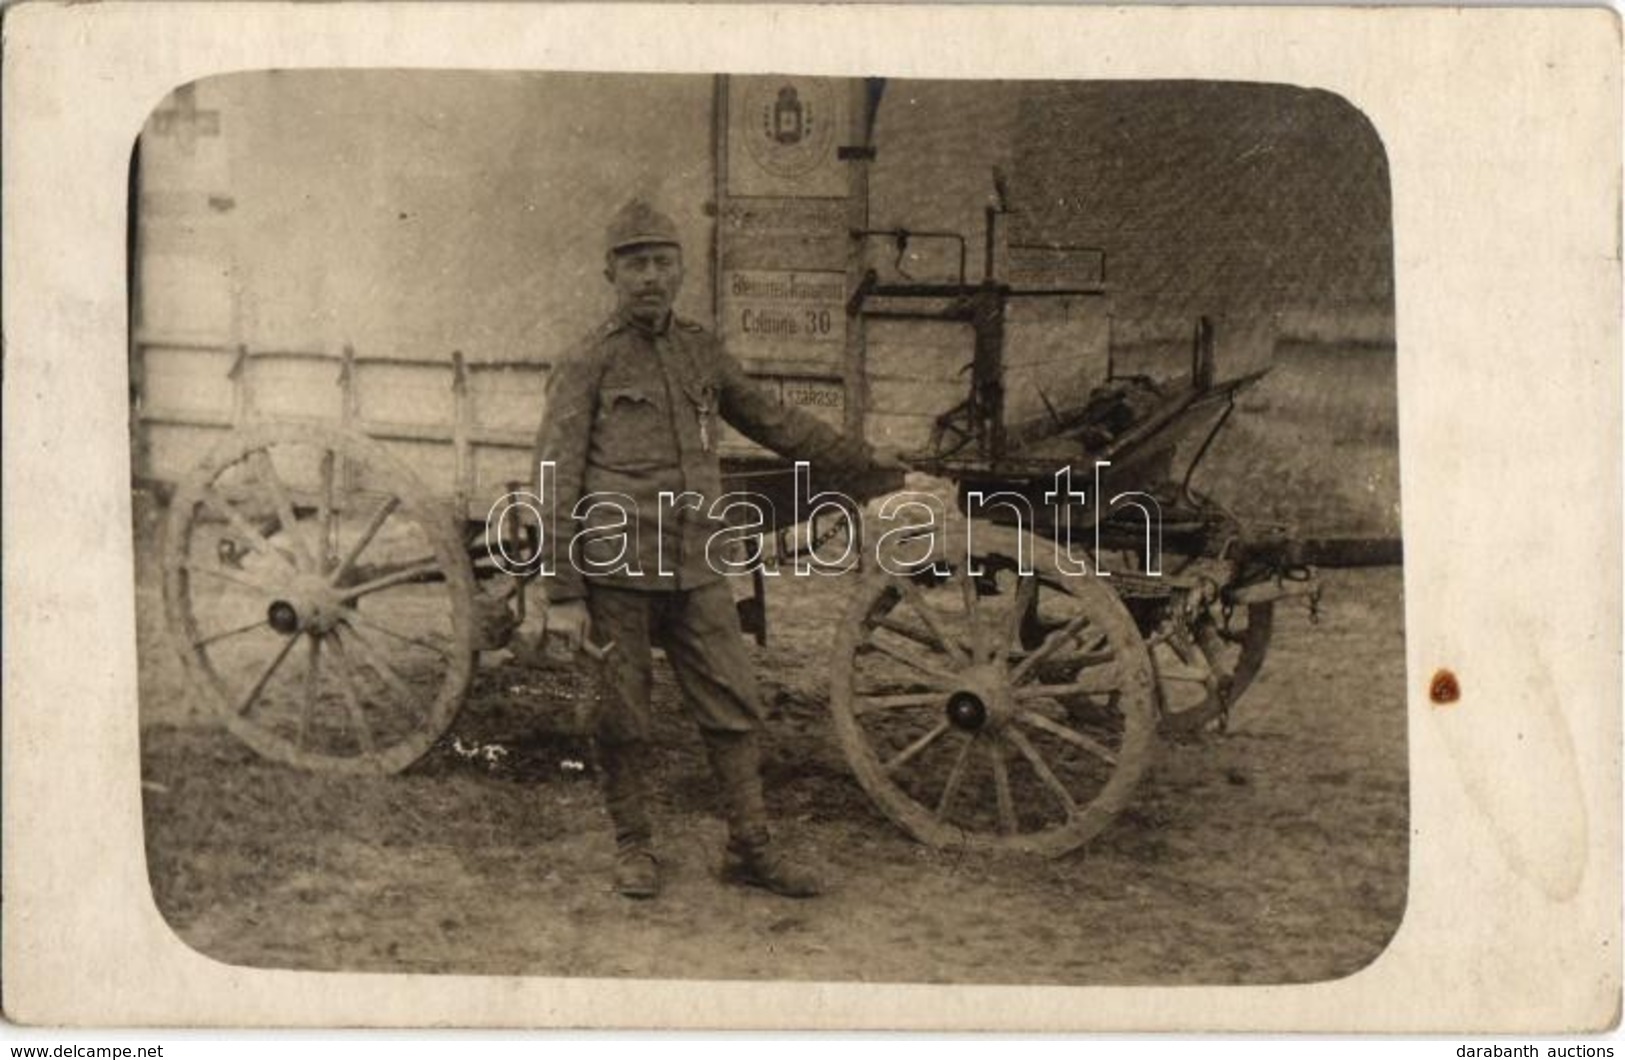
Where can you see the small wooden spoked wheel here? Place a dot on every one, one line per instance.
(321, 603)
(1205, 664)
(985, 707)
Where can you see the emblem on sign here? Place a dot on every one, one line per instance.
(791, 125)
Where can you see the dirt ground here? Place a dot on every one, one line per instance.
(1274, 853)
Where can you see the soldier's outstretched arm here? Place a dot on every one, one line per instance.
(787, 431)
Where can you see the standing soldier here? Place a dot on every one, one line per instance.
(633, 411)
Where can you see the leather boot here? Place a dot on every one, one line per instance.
(637, 873)
(752, 858)
(625, 775)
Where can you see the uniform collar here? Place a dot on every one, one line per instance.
(624, 322)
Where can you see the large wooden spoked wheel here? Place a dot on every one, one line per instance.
(965, 729)
(321, 602)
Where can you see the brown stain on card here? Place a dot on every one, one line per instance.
(1444, 689)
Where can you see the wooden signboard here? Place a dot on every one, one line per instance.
(787, 203)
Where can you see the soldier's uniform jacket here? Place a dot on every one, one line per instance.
(636, 412)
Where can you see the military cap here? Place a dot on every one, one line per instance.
(639, 223)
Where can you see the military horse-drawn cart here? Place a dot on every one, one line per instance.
(331, 571)
(330, 601)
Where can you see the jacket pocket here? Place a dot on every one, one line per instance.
(632, 429)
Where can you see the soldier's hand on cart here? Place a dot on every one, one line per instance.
(568, 620)
(888, 460)
(884, 474)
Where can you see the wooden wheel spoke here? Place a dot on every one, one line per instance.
(1091, 650)
(1060, 671)
(1178, 645)
(374, 658)
(1071, 736)
(1046, 649)
(923, 638)
(873, 703)
(973, 617)
(1026, 596)
(253, 694)
(326, 514)
(352, 698)
(374, 524)
(913, 750)
(409, 572)
(1188, 665)
(949, 644)
(902, 684)
(234, 577)
(937, 677)
(1184, 674)
(313, 690)
(1042, 768)
(357, 619)
(956, 776)
(256, 540)
(1001, 788)
(1092, 682)
(265, 471)
(212, 638)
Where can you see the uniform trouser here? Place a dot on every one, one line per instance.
(699, 631)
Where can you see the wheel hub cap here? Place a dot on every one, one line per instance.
(967, 711)
(283, 616)
(982, 700)
(312, 607)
